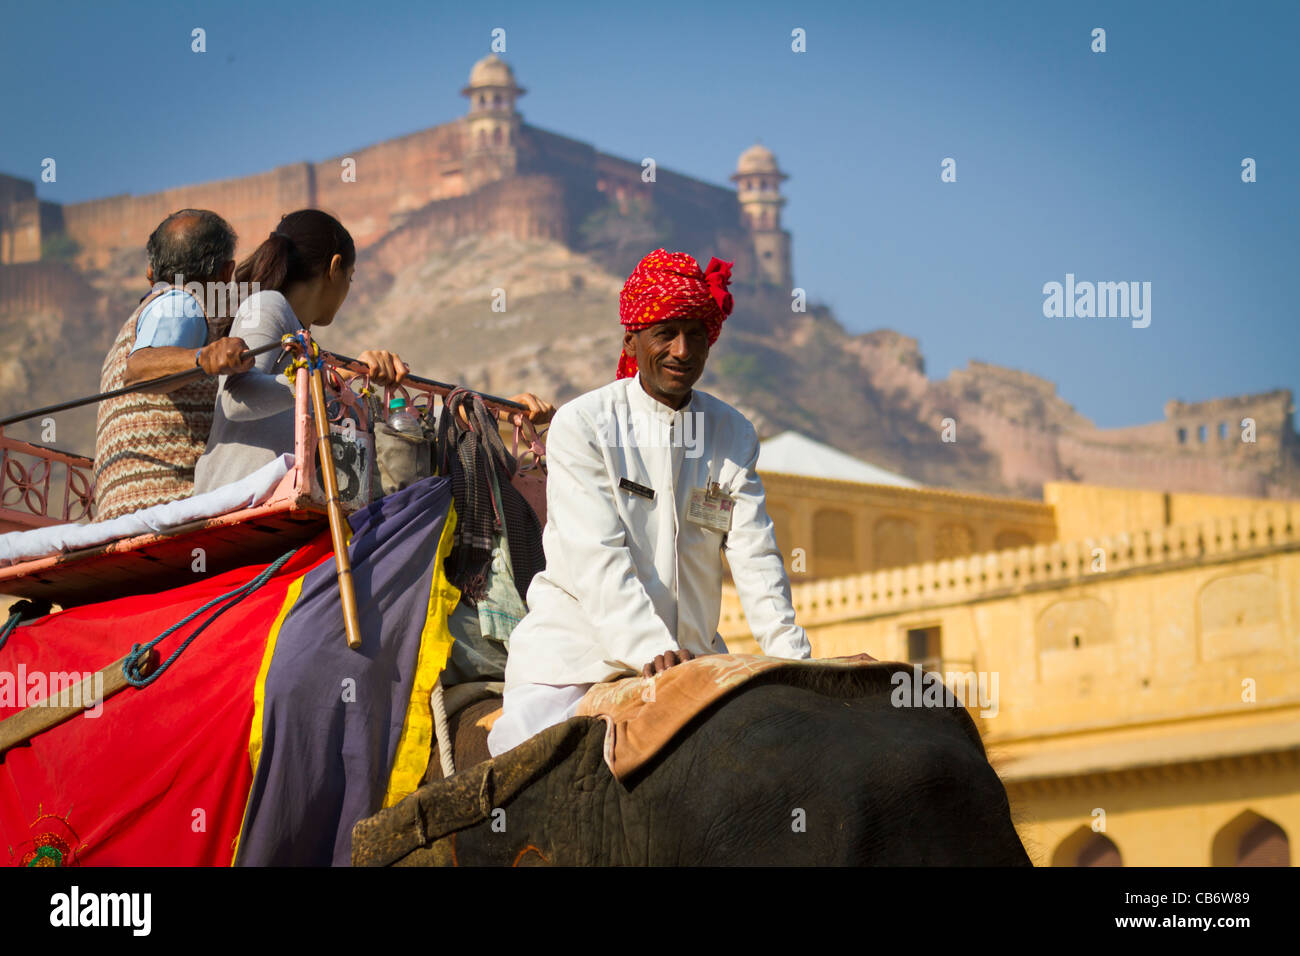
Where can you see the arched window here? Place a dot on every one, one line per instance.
(1084, 847)
(496, 136)
(1264, 844)
(1249, 839)
(1201, 434)
(1099, 851)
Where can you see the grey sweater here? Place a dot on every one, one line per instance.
(252, 423)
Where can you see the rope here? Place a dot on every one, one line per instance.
(312, 356)
(308, 358)
(440, 727)
(132, 663)
(14, 618)
(21, 611)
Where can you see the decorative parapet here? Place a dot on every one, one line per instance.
(42, 486)
(1001, 573)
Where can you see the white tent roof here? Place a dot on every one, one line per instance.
(791, 453)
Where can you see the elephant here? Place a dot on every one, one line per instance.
(795, 767)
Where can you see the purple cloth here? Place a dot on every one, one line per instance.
(328, 747)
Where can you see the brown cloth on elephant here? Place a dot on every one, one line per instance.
(642, 714)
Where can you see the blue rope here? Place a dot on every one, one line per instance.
(131, 665)
(14, 618)
(313, 361)
(26, 610)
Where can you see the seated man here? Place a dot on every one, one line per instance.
(649, 482)
(147, 443)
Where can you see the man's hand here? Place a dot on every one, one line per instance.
(667, 660)
(539, 412)
(149, 363)
(386, 368)
(222, 357)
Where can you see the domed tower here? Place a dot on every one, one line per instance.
(758, 187)
(493, 123)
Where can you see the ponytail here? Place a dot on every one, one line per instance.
(301, 248)
(268, 266)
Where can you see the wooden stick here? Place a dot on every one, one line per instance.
(40, 717)
(347, 595)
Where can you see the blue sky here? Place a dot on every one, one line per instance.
(1120, 166)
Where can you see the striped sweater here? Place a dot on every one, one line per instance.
(146, 444)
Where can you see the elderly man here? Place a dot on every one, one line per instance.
(147, 443)
(649, 482)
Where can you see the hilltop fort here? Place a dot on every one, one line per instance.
(486, 172)
(493, 195)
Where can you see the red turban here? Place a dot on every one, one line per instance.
(669, 285)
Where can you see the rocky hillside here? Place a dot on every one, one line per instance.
(555, 332)
(559, 335)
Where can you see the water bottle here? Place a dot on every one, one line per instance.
(401, 420)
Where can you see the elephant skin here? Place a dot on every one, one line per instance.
(824, 771)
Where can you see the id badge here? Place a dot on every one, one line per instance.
(710, 508)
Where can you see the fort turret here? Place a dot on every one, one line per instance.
(492, 124)
(758, 188)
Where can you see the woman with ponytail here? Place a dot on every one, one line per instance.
(302, 272)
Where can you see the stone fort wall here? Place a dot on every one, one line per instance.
(250, 204)
(394, 180)
(410, 195)
(25, 220)
(525, 207)
(34, 288)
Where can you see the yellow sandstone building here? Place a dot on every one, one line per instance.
(1140, 650)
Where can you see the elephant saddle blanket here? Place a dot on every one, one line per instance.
(643, 714)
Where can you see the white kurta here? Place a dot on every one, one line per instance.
(628, 578)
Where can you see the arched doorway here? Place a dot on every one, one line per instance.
(1084, 847)
(1250, 839)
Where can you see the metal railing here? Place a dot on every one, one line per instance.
(42, 486)
(33, 478)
